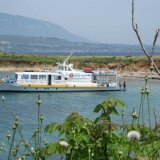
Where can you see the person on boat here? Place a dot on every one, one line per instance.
(120, 84)
(7, 78)
(124, 85)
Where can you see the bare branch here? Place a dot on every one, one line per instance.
(133, 15)
(140, 41)
(155, 39)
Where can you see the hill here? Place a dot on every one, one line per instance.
(19, 25)
(30, 44)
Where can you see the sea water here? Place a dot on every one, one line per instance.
(57, 106)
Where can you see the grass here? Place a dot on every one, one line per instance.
(49, 59)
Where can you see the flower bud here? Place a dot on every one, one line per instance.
(16, 148)
(41, 117)
(142, 91)
(122, 112)
(26, 144)
(8, 135)
(3, 98)
(45, 142)
(39, 101)
(21, 138)
(151, 68)
(16, 122)
(32, 151)
(13, 127)
(146, 77)
(134, 114)
(23, 157)
(37, 130)
(14, 152)
(147, 90)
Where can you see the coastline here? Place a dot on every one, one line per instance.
(124, 74)
(140, 75)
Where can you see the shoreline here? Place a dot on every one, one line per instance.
(138, 74)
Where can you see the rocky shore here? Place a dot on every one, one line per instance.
(140, 75)
(124, 74)
(132, 70)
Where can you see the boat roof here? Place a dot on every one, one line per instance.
(37, 73)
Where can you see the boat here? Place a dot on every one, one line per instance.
(63, 78)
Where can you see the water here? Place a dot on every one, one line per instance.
(122, 53)
(57, 106)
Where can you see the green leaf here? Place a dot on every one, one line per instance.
(50, 128)
(86, 138)
(98, 108)
(97, 119)
(52, 148)
(114, 102)
(105, 116)
(114, 111)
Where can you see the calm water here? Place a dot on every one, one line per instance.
(138, 53)
(57, 106)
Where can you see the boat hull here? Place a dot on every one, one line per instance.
(11, 87)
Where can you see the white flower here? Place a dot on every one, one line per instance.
(133, 135)
(63, 144)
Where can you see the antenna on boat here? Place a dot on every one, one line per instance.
(68, 56)
(118, 66)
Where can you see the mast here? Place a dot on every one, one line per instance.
(64, 63)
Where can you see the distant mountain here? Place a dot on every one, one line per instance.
(19, 25)
(40, 44)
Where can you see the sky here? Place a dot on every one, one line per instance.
(103, 21)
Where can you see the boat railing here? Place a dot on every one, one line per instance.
(105, 71)
(6, 80)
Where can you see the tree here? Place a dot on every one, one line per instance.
(149, 56)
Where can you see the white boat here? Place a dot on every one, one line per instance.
(64, 78)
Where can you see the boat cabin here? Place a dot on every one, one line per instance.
(59, 77)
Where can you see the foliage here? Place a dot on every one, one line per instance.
(13, 57)
(102, 138)
(23, 149)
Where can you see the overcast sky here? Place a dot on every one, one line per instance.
(104, 21)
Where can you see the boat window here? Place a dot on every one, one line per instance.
(42, 76)
(57, 77)
(24, 76)
(60, 67)
(66, 68)
(34, 76)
